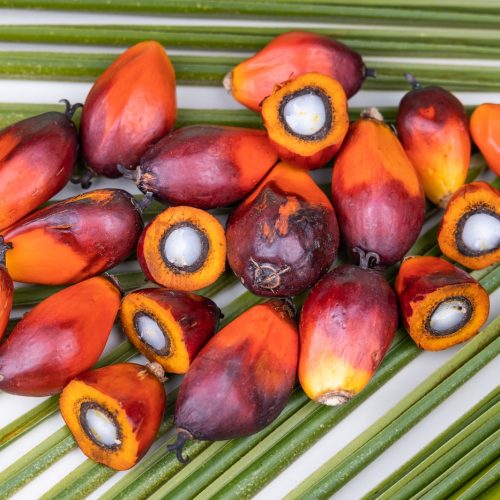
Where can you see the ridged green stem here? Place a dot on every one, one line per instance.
(210, 70)
(436, 42)
(455, 442)
(463, 470)
(488, 5)
(479, 485)
(278, 9)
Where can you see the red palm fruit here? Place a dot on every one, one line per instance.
(74, 239)
(205, 166)
(485, 131)
(441, 305)
(242, 379)
(168, 327)
(347, 325)
(115, 412)
(432, 126)
(6, 290)
(37, 156)
(291, 55)
(284, 236)
(61, 337)
(376, 192)
(130, 106)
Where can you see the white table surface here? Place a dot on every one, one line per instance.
(361, 418)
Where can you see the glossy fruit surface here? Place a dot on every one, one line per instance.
(168, 327)
(485, 131)
(130, 106)
(128, 397)
(291, 55)
(307, 119)
(284, 236)
(347, 325)
(37, 156)
(469, 232)
(432, 126)
(440, 304)
(206, 166)
(74, 239)
(243, 377)
(60, 338)
(376, 192)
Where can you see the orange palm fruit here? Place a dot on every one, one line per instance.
(6, 289)
(130, 106)
(115, 412)
(37, 156)
(441, 305)
(205, 166)
(284, 236)
(432, 126)
(485, 131)
(64, 335)
(376, 192)
(74, 239)
(183, 248)
(347, 325)
(168, 327)
(307, 119)
(242, 379)
(291, 55)
(469, 232)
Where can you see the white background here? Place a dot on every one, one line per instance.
(376, 406)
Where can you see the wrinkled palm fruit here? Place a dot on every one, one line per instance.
(168, 327)
(307, 119)
(74, 239)
(291, 55)
(183, 248)
(63, 336)
(115, 412)
(284, 236)
(432, 126)
(441, 305)
(130, 106)
(470, 229)
(376, 192)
